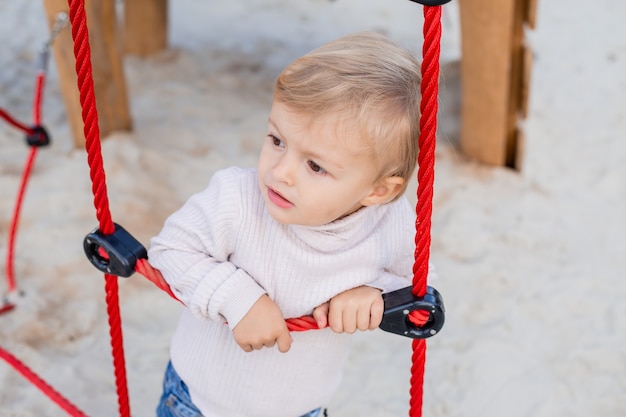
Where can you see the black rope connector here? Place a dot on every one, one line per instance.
(38, 136)
(116, 253)
(431, 2)
(400, 303)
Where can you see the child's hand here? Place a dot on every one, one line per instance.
(263, 326)
(359, 308)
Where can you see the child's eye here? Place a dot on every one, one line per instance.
(276, 141)
(316, 168)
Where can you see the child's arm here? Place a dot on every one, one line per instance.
(193, 252)
(359, 308)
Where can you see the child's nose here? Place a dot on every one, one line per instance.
(284, 170)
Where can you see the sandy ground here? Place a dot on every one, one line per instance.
(531, 263)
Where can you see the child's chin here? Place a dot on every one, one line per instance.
(280, 217)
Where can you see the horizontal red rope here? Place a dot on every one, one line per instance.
(144, 268)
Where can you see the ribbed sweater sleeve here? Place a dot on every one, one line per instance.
(193, 249)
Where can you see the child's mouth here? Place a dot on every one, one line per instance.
(278, 199)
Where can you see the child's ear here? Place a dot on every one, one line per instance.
(384, 191)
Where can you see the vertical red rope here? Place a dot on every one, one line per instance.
(38, 97)
(28, 167)
(10, 269)
(425, 175)
(82, 52)
(18, 365)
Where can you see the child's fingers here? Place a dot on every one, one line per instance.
(376, 313)
(336, 319)
(363, 319)
(246, 347)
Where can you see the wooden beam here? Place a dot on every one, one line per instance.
(516, 83)
(145, 26)
(63, 52)
(495, 73)
(486, 37)
(531, 13)
(107, 72)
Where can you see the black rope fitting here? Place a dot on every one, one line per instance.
(115, 254)
(38, 136)
(400, 303)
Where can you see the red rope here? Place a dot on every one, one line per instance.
(425, 175)
(13, 122)
(154, 275)
(30, 160)
(8, 306)
(70, 408)
(82, 52)
(143, 267)
(16, 218)
(41, 78)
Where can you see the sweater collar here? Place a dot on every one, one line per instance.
(342, 233)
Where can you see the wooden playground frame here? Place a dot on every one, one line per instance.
(496, 64)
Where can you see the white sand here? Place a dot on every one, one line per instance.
(531, 264)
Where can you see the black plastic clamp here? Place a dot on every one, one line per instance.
(116, 253)
(431, 2)
(398, 305)
(38, 136)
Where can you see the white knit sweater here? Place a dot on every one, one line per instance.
(222, 250)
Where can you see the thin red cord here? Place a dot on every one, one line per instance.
(70, 408)
(16, 218)
(426, 160)
(30, 160)
(13, 122)
(37, 100)
(82, 52)
(19, 366)
(26, 173)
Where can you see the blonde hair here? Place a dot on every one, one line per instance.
(372, 84)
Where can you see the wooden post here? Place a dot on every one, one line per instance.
(63, 52)
(495, 73)
(108, 74)
(145, 26)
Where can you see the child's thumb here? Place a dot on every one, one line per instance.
(320, 314)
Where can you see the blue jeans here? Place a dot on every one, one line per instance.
(176, 401)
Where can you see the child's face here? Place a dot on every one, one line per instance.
(312, 173)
